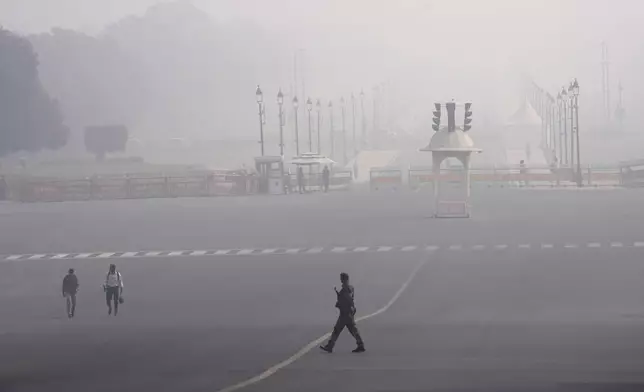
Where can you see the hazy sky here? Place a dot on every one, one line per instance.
(474, 41)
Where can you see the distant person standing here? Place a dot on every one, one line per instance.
(345, 303)
(523, 171)
(325, 178)
(3, 188)
(113, 289)
(300, 180)
(70, 288)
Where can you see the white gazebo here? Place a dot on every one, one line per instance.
(451, 189)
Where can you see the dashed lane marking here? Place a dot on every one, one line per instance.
(318, 250)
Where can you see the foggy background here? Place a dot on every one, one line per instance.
(188, 69)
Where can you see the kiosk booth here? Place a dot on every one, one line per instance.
(270, 170)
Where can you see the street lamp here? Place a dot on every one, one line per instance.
(574, 88)
(564, 107)
(353, 119)
(571, 107)
(559, 128)
(280, 102)
(364, 124)
(318, 106)
(344, 132)
(309, 107)
(331, 128)
(260, 103)
(296, 104)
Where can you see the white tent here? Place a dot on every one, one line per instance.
(522, 136)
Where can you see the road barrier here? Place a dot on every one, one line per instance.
(500, 176)
(338, 180)
(133, 186)
(385, 178)
(631, 173)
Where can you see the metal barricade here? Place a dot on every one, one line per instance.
(385, 178)
(631, 173)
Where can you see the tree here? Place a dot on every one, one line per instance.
(30, 119)
(100, 140)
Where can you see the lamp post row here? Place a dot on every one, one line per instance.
(318, 107)
(562, 113)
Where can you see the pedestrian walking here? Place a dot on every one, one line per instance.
(70, 288)
(346, 305)
(326, 175)
(113, 289)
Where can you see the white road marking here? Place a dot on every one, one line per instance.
(314, 344)
(313, 250)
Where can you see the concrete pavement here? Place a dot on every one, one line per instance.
(486, 312)
(334, 219)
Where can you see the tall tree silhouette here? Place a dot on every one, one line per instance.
(29, 119)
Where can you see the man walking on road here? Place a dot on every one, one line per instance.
(113, 289)
(70, 288)
(345, 303)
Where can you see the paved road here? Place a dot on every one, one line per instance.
(472, 318)
(343, 218)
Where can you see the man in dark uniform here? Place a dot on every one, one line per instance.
(325, 178)
(70, 288)
(345, 303)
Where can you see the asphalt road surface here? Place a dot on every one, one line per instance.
(539, 291)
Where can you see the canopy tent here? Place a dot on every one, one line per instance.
(312, 159)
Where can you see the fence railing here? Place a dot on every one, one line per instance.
(385, 178)
(632, 173)
(27, 189)
(542, 175)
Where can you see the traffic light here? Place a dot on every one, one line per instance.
(437, 117)
(468, 117)
(451, 122)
